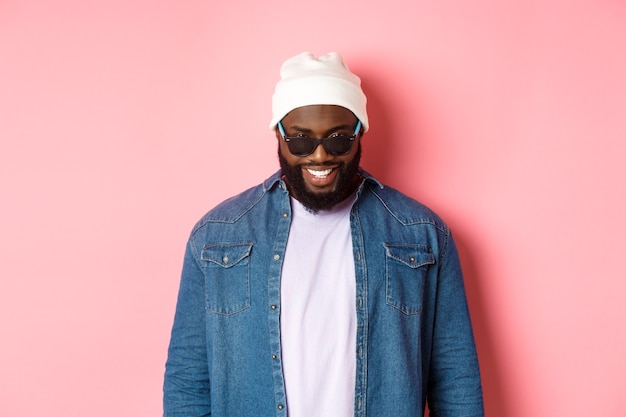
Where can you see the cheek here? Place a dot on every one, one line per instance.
(346, 159)
(284, 151)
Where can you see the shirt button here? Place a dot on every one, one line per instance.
(274, 356)
(280, 406)
(225, 259)
(285, 215)
(273, 306)
(276, 257)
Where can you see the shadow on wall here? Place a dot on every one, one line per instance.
(378, 154)
(495, 394)
(378, 145)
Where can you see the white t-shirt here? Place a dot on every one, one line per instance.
(318, 313)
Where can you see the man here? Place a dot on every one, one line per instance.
(321, 292)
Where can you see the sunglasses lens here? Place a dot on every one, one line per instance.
(301, 146)
(338, 145)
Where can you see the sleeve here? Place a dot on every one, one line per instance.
(186, 388)
(454, 386)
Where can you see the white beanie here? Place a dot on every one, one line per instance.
(306, 80)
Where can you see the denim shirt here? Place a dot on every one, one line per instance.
(414, 338)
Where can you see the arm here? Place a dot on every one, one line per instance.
(454, 388)
(186, 389)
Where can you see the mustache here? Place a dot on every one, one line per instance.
(323, 164)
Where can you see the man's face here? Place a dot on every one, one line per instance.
(319, 180)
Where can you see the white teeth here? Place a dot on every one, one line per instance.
(320, 174)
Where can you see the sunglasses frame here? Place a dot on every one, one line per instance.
(318, 142)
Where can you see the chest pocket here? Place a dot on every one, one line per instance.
(227, 277)
(406, 270)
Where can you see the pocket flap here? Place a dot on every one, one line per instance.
(413, 256)
(226, 254)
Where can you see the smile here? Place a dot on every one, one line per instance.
(319, 174)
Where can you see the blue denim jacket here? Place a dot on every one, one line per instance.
(414, 338)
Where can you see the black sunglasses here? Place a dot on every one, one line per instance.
(334, 145)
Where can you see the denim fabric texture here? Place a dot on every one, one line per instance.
(414, 338)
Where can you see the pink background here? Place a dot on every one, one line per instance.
(122, 122)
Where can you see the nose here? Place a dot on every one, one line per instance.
(320, 155)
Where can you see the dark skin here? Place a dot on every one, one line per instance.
(322, 173)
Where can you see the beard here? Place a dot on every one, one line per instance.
(314, 202)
